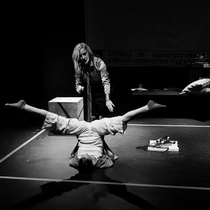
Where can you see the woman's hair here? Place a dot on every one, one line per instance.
(75, 54)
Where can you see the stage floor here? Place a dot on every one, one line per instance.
(34, 170)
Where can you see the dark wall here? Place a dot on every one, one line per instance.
(148, 26)
(36, 64)
(38, 43)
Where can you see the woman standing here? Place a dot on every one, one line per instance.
(92, 78)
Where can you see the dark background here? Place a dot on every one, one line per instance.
(38, 40)
(37, 45)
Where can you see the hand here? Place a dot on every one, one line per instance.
(110, 105)
(79, 88)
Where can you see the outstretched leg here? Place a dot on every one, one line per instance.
(148, 107)
(20, 104)
(126, 117)
(23, 106)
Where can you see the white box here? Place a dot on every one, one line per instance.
(72, 107)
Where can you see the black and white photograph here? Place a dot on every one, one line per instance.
(105, 105)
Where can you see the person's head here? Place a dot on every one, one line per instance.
(82, 54)
(85, 164)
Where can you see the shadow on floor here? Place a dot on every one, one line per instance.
(101, 188)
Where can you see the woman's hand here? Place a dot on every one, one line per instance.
(79, 88)
(110, 105)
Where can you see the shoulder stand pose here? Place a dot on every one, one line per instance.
(91, 150)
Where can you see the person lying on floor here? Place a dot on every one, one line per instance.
(91, 150)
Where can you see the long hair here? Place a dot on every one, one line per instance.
(75, 54)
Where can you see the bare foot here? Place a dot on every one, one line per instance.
(20, 104)
(153, 105)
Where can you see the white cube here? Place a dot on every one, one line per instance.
(72, 107)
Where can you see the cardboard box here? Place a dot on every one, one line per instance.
(67, 107)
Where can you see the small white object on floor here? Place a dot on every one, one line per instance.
(169, 146)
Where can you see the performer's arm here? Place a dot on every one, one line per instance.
(78, 82)
(106, 83)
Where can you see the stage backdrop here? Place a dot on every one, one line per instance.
(137, 32)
